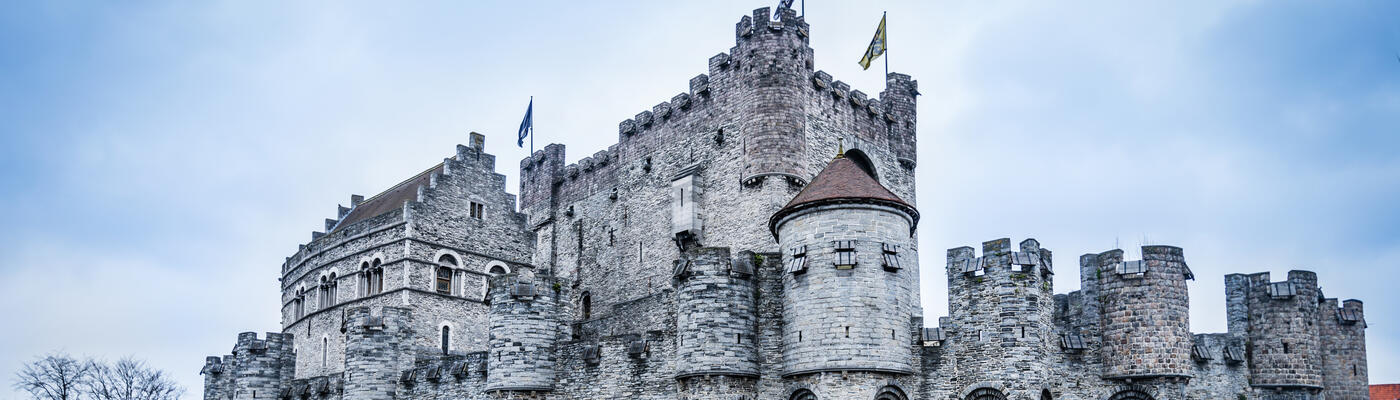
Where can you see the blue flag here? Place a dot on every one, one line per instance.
(528, 124)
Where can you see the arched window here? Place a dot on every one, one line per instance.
(324, 293)
(863, 161)
(1131, 394)
(586, 304)
(986, 394)
(334, 289)
(446, 335)
(1045, 395)
(803, 394)
(299, 304)
(445, 272)
(374, 278)
(890, 393)
(498, 270)
(325, 348)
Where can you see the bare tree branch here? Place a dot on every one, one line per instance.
(55, 376)
(129, 379)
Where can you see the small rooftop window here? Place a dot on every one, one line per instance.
(1073, 343)
(845, 254)
(590, 355)
(637, 348)
(1233, 354)
(797, 262)
(1282, 290)
(890, 254)
(1132, 269)
(409, 375)
(434, 373)
(1022, 261)
(1200, 353)
(681, 269)
(1348, 316)
(973, 266)
(933, 336)
(1186, 271)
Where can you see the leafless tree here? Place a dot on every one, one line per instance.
(55, 376)
(129, 379)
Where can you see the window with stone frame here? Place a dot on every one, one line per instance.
(477, 209)
(444, 280)
(323, 294)
(373, 277)
(845, 254)
(890, 255)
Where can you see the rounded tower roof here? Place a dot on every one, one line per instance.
(843, 182)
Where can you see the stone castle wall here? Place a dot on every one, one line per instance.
(655, 276)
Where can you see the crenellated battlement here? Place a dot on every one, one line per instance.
(998, 259)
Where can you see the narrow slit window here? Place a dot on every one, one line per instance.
(446, 335)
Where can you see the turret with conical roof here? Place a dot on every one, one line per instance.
(851, 275)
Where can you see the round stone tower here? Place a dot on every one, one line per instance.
(1001, 307)
(1144, 323)
(850, 275)
(523, 333)
(1284, 347)
(773, 58)
(715, 320)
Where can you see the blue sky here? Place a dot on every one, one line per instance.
(159, 160)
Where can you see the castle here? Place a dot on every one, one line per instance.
(751, 238)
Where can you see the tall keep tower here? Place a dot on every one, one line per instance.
(773, 57)
(849, 285)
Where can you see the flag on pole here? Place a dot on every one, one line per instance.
(781, 5)
(528, 124)
(877, 46)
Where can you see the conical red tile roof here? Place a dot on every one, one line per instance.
(842, 181)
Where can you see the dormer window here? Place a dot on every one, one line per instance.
(845, 254)
(890, 255)
(1132, 269)
(973, 266)
(1282, 290)
(797, 262)
(1233, 354)
(1200, 353)
(1073, 343)
(1022, 261)
(1348, 316)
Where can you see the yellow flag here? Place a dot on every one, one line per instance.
(877, 46)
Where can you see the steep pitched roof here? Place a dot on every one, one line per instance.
(842, 181)
(388, 200)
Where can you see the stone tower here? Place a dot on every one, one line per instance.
(376, 349)
(1001, 307)
(715, 321)
(1343, 334)
(1284, 347)
(1145, 326)
(524, 329)
(849, 286)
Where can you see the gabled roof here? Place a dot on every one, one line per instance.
(842, 181)
(387, 200)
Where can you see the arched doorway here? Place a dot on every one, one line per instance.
(803, 394)
(986, 394)
(1045, 395)
(1131, 394)
(890, 393)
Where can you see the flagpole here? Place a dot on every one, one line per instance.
(887, 46)
(532, 122)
